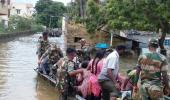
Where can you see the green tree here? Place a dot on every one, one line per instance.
(95, 15)
(147, 15)
(49, 13)
(19, 23)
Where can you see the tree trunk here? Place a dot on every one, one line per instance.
(81, 8)
(164, 29)
(161, 44)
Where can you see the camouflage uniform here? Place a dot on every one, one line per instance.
(65, 83)
(42, 46)
(53, 55)
(151, 87)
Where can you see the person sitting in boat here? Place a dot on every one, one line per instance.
(65, 82)
(43, 44)
(49, 58)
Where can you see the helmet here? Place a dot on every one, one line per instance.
(153, 42)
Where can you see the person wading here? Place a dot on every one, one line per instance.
(153, 75)
(108, 75)
(65, 82)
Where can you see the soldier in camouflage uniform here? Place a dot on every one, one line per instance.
(43, 44)
(65, 82)
(51, 56)
(153, 75)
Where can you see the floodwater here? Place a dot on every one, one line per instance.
(18, 80)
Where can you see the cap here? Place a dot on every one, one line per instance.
(82, 40)
(45, 33)
(70, 50)
(153, 41)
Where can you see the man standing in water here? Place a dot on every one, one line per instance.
(65, 82)
(84, 51)
(43, 44)
(108, 74)
(153, 75)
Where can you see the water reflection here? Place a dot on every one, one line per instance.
(18, 81)
(45, 90)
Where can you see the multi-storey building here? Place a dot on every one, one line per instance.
(22, 9)
(4, 12)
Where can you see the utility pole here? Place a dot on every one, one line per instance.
(111, 38)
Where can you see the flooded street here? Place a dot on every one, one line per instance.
(18, 80)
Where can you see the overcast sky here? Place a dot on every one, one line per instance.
(34, 1)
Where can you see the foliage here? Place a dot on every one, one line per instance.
(137, 14)
(73, 11)
(49, 12)
(95, 15)
(2, 29)
(146, 15)
(19, 23)
(37, 28)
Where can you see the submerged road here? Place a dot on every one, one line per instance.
(18, 80)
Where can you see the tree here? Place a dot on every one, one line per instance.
(19, 23)
(49, 13)
(95, 15)
(147, 15)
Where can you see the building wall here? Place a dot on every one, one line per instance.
(4, 4)
(22, 9)
(4, 20)
(4, 11)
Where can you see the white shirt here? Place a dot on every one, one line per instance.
(111, 62)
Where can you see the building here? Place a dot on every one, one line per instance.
(4, 12)
(22, 9)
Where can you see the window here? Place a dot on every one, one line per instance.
(18, 11)
(77, 39)
(167, 42)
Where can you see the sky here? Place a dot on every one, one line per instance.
(34, 1)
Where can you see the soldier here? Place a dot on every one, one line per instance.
(51, 56)
(65, 82)
(82, 43)
(43, 44)
(84, 51)
(153, 75)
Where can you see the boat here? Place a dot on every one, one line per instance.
(53, 83)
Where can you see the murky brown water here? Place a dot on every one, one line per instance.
(18, 80)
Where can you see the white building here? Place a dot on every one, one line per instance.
(22, 9)
(4, 12)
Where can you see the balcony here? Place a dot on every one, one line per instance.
(4, 7)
